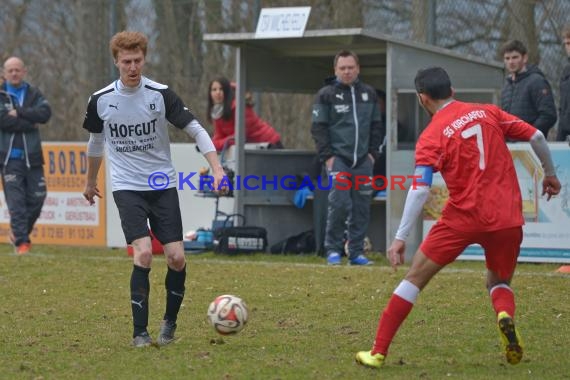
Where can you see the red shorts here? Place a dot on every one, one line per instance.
(444, 244)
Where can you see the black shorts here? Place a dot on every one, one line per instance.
(158, 208)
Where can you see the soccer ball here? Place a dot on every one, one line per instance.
(228, 314)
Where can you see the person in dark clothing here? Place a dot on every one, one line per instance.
(22, 108)
(526, 92)
(564, 121)
(347, 129)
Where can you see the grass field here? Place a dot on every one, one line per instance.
(65, 314)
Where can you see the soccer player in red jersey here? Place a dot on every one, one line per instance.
(465, 142)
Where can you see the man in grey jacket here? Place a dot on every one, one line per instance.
(22, 108)
(526, 92)
(347, 129)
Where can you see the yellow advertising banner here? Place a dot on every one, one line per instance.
(66, 218)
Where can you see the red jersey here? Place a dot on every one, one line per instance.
(256, 129)
(466, 143)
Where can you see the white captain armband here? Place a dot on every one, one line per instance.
(423, 175)
(96, 145)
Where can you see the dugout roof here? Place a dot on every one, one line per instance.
(300, 64)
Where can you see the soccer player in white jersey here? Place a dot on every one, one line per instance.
(129, 118)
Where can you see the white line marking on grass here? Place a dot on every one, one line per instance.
(401, 270)
(221, 261)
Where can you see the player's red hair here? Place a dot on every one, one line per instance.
(127, 40)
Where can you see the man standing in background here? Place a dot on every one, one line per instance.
(526, 92)
(22, 108)
(564, 121)
(347, 129)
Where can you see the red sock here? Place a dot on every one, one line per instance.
(503, 299)
(394, 314)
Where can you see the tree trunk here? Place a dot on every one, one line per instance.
(420, 9)
(522, 26)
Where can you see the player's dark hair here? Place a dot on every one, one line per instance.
(434, 82)
(228, 98)
(344, 54)
(513, 45)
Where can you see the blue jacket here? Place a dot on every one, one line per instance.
(35, 110)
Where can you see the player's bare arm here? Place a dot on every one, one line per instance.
(396, 253)
(205, 144)
(415, 200)
(217, 172)
(550, 184)
(95, 148)
(91, 190)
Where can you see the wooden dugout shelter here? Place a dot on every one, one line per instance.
(299, 65)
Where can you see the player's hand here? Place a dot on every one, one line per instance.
(550, 186)
(220, 185)
(329, 163)
(91, 191)
(396, 253)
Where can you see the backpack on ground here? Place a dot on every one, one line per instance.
(296, 244)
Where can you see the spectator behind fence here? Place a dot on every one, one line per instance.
(136, 156)
(526, 93)
(564, 120)
(347, 129)
(472, 154)
(222, 114)
(22, 108)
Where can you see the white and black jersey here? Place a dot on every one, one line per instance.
(134, 122)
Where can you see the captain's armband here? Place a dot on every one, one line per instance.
(423, 175)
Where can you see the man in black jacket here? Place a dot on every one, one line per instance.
(526, 92)
(347, 129)
(22, 108)
(564, 122)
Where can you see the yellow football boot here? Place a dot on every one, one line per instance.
(512, 342)
(367, 359)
